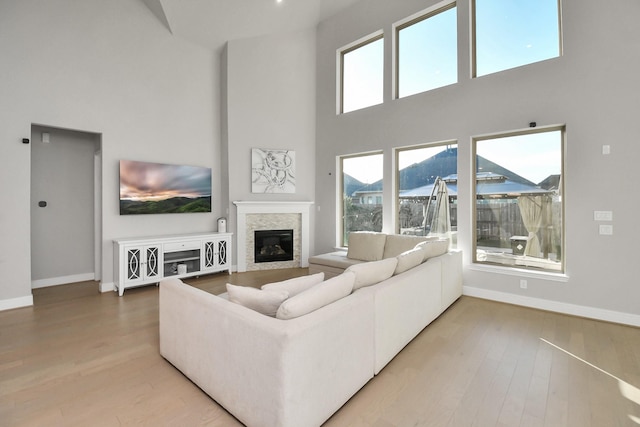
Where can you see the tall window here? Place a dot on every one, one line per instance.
(519, 210)
(361, 193)
(508, 33)
(427, 190)
(427, 52)
(362, 74)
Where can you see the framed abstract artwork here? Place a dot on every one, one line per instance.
(273, 171)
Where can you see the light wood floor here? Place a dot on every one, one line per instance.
(81, 358)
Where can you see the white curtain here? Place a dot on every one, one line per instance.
(532, 209)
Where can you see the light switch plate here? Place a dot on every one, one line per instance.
(602, 215)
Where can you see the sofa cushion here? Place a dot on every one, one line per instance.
(296, 285)
(433, 248)
(265, 302)
(409, 259)
(336, 259)
(366, 245)
(395, 244)
(317, 297)
(370, 273)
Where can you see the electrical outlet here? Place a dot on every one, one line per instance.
(523, 284)
(606, 230)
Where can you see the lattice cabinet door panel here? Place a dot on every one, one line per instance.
(209, 259)
(134, 265)
(153, 261)
(222, 259)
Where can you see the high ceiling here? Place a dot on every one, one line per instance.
(212, 23)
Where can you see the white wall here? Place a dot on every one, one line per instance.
(109, 68)
(592, 88)
(270, 103)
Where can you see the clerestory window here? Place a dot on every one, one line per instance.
(427, 51)
(509, 34)
(361, 74)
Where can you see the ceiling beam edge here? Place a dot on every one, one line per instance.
(158, 10)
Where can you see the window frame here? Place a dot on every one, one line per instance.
(474, 41)
(474, 198)
(396, 167)
(340, 53)
(407, 22)
(340, 192)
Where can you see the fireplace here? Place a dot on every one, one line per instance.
(271, 215)
(273, 245)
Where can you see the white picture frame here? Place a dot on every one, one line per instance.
(273, 171)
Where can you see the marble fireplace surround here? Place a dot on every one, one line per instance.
(247, 211)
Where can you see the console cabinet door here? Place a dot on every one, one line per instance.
(134, 266)
(142, 263)
(222, 253)
(215, 254)
(208, 255)
(152, 262)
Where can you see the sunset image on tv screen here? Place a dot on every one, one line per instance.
(150, 188)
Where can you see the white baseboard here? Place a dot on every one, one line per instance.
(55, 281)
(555, 306)
(8, 304)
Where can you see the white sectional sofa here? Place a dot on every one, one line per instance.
(268, 371)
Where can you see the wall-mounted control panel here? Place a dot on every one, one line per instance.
(605, 216)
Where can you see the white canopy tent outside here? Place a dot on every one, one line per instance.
(437, 221)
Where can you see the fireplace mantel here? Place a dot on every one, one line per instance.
(245, 208)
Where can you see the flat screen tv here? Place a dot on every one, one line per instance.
(156, 188)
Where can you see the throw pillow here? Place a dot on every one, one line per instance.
(318, 296)
(366, 245)
(433, 248)
(370, 273)
(409, 259)
(265, 302)
(296, 285)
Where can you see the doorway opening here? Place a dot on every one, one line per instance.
(66, 206)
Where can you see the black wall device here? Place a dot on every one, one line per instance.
(25, 140)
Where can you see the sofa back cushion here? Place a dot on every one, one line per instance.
(317, 297)
(370, 273)
(395, 244)
(434, 248)
(366, 245)
(265, 302)
(409, 259)
(296, 285)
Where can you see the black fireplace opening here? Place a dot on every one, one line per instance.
(273, 245)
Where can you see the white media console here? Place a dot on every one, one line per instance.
(145, 260)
